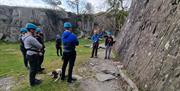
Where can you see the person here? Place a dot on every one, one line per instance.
(95, 40)
(23, 31)
(108, 44)
(70, 42)
(58, 45)
(33, 48)
(40, 38)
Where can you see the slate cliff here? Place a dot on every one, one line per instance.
(13, 18)
(149, 44)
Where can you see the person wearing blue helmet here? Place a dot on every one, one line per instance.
(22, 48)
(108, 44)
(33, 48)
(23, 30)
(70, 42)
(40, 37)
(95, 42)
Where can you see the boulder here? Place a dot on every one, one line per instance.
(77, 77)
(104, 77)
(7, 83)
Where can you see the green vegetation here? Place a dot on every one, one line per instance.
(11, 64)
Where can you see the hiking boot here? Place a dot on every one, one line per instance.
(105, 58)
(69, 81)
(41, 70)
(74, 79)
(63, 78)
(37, 82)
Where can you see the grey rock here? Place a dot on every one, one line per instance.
(6, 83)
(1, 35)
(10, 39)
(92, 64)
(77, 77)
(104, 77)
(111, 72)
(102, 46)
(13, 18)
(87, 46)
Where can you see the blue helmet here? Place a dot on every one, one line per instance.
(67, 25)
(23, 30)
(109, 33)
(38, 30)
(30, 26)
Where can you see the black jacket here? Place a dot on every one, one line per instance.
(109, 41)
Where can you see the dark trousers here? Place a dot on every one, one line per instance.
(23, 51)
(95, 49)
(40, 61)
(59, 50)
(108, 52)
(33, 62)
(70, 58)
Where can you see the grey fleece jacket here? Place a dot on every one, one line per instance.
(31, 43)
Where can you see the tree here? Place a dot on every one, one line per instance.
(54, 3)
(117, 13)
(89, 11)
(74, 4)
(89, 7)
(115, 4)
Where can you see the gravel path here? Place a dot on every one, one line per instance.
(99, 75)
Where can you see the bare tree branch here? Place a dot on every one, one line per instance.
(53, 3)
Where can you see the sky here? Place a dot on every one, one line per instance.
(98, 5)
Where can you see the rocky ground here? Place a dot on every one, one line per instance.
(6, 83)
(103, 75)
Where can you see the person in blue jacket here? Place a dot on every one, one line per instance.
(95, 40)
(70, 42)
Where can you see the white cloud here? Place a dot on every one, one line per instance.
(101, 5)
(27, 3)
(98, 5)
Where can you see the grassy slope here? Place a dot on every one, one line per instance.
(11, 64)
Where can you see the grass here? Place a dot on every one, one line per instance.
(11, 64)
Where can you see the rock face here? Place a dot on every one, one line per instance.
(149, 44)
(13, 18)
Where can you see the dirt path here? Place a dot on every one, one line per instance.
(104, 75)
(99, 75)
